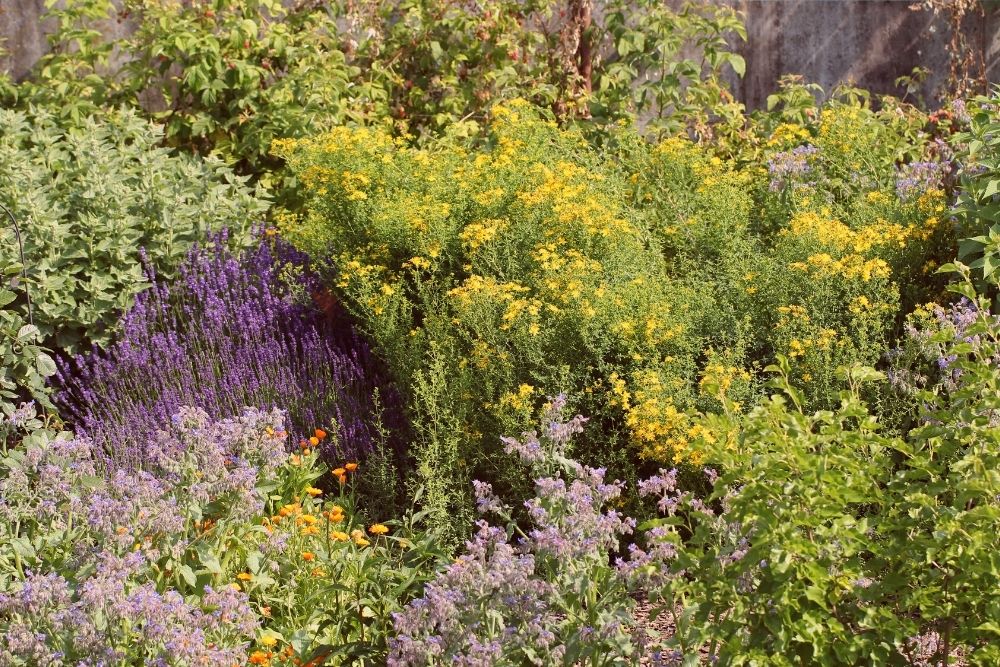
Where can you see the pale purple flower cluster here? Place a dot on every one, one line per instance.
(487, 605)
(106, 618)
(568, 520)
(509, 603)
(956, 321)
(230, 332)
(196, 462)
(787, 167)
(916, 178)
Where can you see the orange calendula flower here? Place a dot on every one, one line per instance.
(260, 658)
(314, 441)
(303, 444)
(338, 472)
(313, 491)
(296, 459)
(350, 467)
(339, 536)
(308, 556)
(320, 433)
(318, 572)
(378, 529)
(244, 576)
(362, 542)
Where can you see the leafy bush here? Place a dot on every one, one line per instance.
(221, 547)
(517, 269)
(232, 331)
(25, 364)
(226, 78)
(829, 542)
(640, 279)
(88, 197)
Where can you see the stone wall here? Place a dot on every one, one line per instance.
(867, 42)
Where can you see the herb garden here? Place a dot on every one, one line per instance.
(417, 333)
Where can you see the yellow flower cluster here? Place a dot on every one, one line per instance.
(478, 234)
(787, 134)
(658, 428)
(849, 266)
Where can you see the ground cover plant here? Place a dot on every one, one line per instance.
(754, 392)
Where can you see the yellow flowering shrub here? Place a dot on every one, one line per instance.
(526, 263)
(648, 281)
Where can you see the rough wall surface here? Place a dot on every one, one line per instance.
(866, 42)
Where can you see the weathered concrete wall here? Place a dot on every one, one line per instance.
(22, 34)
(867, 42)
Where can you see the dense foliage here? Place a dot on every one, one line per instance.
(227, 77)
(89, 196)
(289, 443)
(633, 278)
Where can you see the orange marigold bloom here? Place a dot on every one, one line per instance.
(338, 472)
(320, 433)
(260, 658)
(351, 467)
(244, 576)
(339, 536)
(318, 572)
(378, 529)
(303, 444)
(296, 459)
(314, 441)
(308, 556)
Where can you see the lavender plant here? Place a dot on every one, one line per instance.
(550, 597)
(231, 332)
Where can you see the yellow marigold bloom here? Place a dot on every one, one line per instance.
(361, 542)
(244, 576)
(378, 529)
(318, 572)
(313, 491)
(338, 472)
(350, 467)
(310, 530)
(314, 441)
(268, 640)
(339, 536)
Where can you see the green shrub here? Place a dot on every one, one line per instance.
(639, 278)
(226, 77)
(90, 197)
(827, 541)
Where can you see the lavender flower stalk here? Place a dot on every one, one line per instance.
(228, 334)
